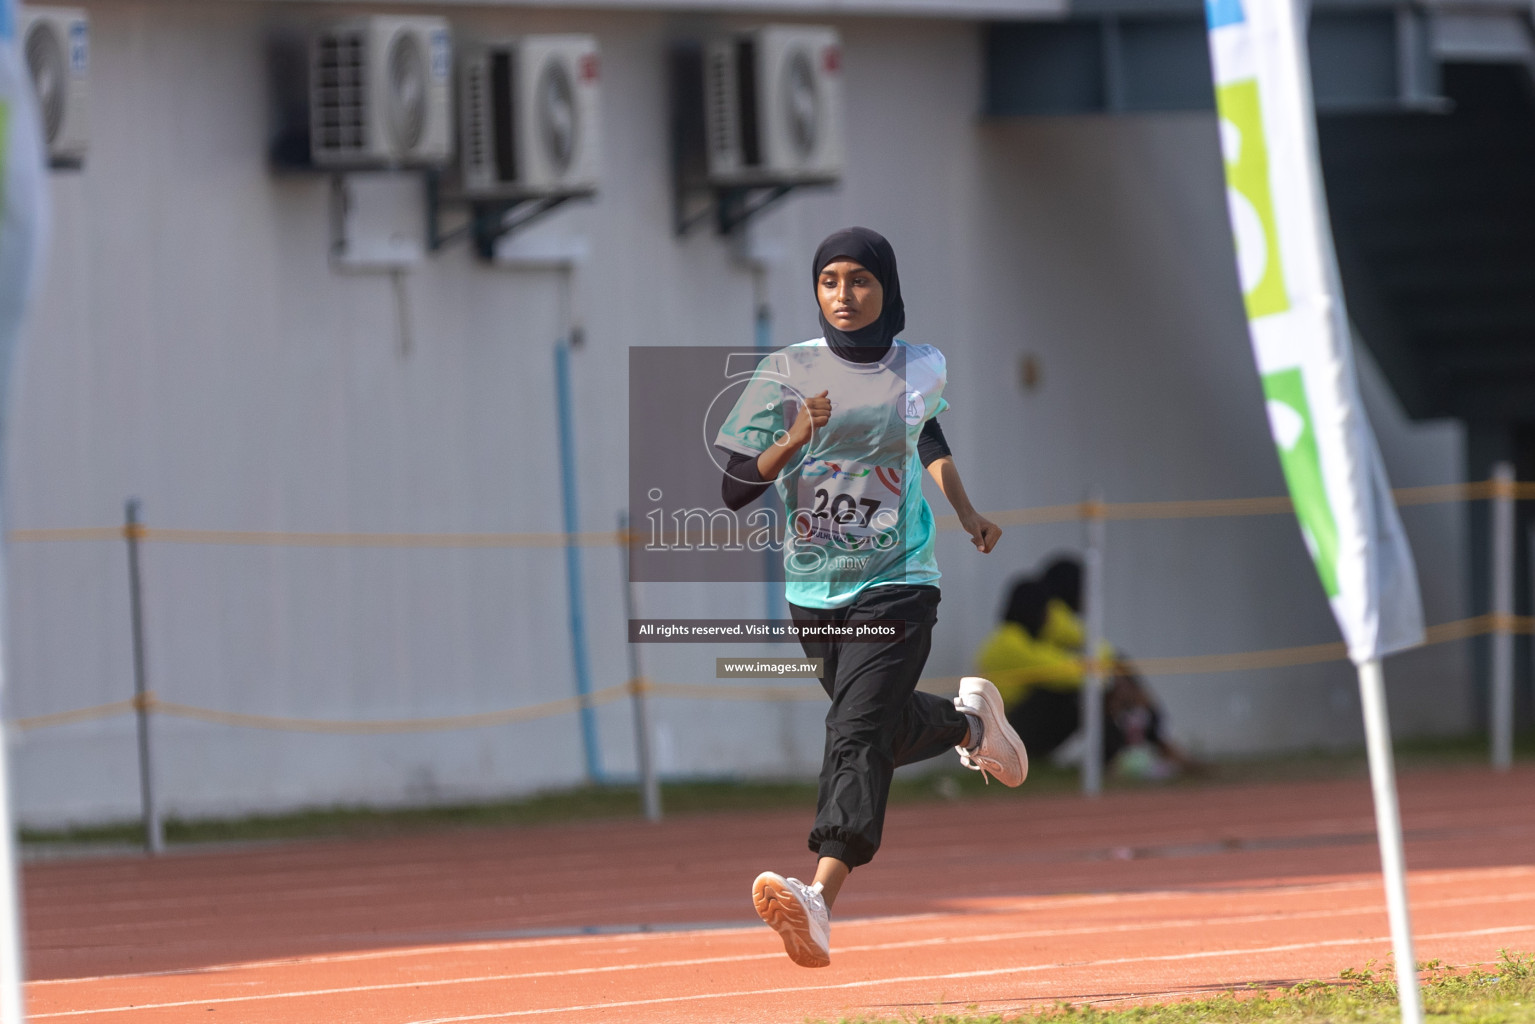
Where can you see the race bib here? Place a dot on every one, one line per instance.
(847, 505)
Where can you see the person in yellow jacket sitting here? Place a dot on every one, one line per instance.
(1034, 656)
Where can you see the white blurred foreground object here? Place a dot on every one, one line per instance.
(1302, 340)
(23, 223)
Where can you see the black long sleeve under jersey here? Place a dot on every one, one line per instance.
(742, 484)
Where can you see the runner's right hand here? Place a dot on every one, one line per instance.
(815, 415)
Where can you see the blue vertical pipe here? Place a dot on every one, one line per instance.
(773, 595)
(577, 605)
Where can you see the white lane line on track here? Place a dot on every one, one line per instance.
(991, 906)
(883, 921)
(625, 937)
(747, 958)
(200, 903)
(962, 975)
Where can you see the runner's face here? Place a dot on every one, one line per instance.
(850, 296)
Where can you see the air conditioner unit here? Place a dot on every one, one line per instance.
(528, 117)
(380, 94)
(55, 41)
(773, 106)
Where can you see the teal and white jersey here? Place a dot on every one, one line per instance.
(857, 517)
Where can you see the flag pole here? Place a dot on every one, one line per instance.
(1388, 828)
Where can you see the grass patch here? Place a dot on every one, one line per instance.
(1501, 993)
(616, 802)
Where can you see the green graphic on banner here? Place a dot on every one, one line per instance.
(1247, 175)
(1295, 436)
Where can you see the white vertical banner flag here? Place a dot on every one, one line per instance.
(23, 224)
(1300, 328)
(1304, 346)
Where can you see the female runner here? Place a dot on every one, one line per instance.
(840, 424)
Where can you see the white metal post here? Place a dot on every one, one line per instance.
(1501, 714)
(650, 784)
(154, 829)
(1388, 828)
(1092, 683)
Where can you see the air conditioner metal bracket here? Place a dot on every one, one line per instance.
(487, 219)
(729, 207)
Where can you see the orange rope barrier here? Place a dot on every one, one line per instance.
(1074, 512)
(1199, 664)
(594, 538)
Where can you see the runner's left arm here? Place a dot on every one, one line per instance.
(931, 444)
(984, 533)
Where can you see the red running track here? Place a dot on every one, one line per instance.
(998, 904)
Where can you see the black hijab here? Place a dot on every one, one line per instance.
(869, 250)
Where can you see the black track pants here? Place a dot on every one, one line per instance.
(877, 719)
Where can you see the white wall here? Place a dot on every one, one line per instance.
(192, 347)
(1125, 290)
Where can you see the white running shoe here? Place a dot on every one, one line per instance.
(797, 912)
(1000, 754)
